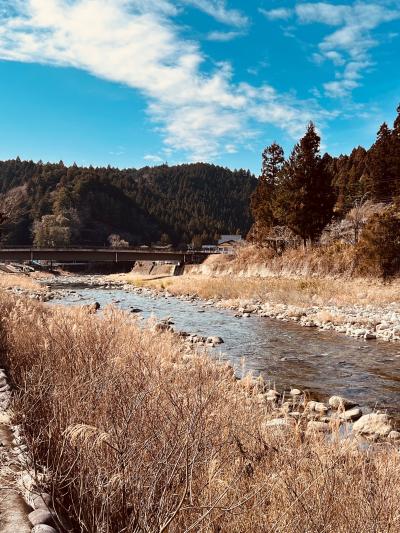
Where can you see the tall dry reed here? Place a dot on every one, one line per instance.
(140, 437)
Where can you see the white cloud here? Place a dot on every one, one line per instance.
(280, 13)
(349, 45)
(150, 158)
(219, 10)
(197, 111)
(223, 36)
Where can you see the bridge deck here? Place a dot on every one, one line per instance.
(65, 255)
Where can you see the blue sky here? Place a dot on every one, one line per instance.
(136, 82)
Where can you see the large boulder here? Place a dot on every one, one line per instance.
(373, 424)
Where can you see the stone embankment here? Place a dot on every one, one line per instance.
(25, 506)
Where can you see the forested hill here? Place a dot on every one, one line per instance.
(164, 203)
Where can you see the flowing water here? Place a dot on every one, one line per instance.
(286, 354)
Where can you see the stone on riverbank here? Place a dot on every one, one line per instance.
(317, 407)
(41, 501)
(337, 402)
(314, 426)
(351, 414)
(40, 516)
(215, 340)
(43, 528)
(373, 424)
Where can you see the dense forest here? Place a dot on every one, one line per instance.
(48, 203)
(53, 203)
(307, 191)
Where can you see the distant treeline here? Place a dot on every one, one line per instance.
(176, 204)
(52, 203)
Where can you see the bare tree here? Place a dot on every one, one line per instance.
(115, 241)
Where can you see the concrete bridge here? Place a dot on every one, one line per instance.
(99, 255)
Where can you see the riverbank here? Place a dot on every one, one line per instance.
(180, 443)
(29, 285)
(361, 308)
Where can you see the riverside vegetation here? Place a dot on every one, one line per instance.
(137, 434)
(133, 429)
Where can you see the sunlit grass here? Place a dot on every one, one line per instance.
(140, 436)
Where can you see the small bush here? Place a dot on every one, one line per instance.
(378, 252)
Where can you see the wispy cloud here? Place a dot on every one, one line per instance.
(280, 13)
(349, 45)
(150, 158)
(219, 11)
(224, 36)
(197, 108)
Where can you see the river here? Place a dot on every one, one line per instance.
(286, 354)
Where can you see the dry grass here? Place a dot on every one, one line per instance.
(141, 438)
(22, 281)
(292, 291)
(319, 276)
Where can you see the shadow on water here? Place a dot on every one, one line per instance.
(286, 354)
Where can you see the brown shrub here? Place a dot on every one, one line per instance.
(140, 437)
(378, 252)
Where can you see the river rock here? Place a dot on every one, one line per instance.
(271, 395)
(215, 340)
(277, 423)
(317, 407)
(351, 414)
(314, 425)
(43, 528)
(40, 516)
(41, 501)
(337, 402)
(394, 435)
(373, 424)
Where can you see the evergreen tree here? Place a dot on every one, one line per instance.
(380, 167)
(304, 198)
(262, 199)
(396, 155)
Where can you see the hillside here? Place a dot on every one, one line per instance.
(174, 204)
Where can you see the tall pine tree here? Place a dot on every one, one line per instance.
(262, 199)
(380, 165)
(304, 198)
